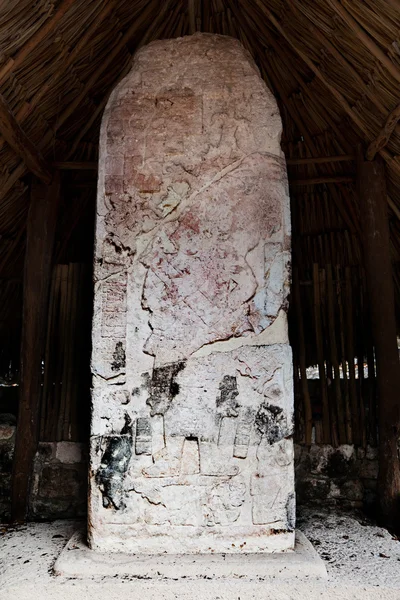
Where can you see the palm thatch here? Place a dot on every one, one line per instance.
(333, 65)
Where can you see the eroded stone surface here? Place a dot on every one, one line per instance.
(191, 446)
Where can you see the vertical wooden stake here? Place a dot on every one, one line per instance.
(320, 355)
(41, 225)
(340, 406)
(378, 267)
(302, 360)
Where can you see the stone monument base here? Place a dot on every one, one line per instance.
(78, 561)
(159, 539)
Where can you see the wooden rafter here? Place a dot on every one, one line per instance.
(21, 144)
(366, 40)
(384, 135)
(49, 26)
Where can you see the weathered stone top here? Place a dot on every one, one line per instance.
(191, 171)
(212, 62)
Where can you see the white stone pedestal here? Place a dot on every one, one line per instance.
(77, 560)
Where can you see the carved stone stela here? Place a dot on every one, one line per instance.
(192, 420)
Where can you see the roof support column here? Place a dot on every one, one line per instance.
(378, 266)
(41, 226)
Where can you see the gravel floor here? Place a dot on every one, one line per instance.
(355, 550)
(363, 561)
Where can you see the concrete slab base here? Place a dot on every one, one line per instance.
(78, 561)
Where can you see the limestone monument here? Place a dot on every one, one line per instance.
(192, 416)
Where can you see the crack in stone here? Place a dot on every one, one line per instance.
(235, 343)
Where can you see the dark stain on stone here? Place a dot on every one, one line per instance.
(278, 531)
(310, 491)
(119, 357)
(227, 405)
(291, 511)
(339, 465)
(163, 387)
(143, 441)
(271, 423)
(114, 464)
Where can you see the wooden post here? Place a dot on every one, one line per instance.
(41, 225)
(378, 267)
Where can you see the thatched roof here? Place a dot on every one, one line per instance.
(334, 66)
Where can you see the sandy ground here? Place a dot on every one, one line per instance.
(363, 563)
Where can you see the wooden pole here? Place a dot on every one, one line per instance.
(41, 225)
(320, 355)
(378, 267)
(308, 420)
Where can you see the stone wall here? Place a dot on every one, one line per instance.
(59, 487)
(7, 442)
(345, 476)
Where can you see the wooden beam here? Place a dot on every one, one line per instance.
(21, 144)
(75, 166)
(376, 243)
(319, 160)
(365, 39)
(41, 226)
(192, 16)
(48, 26)
(384, 135)
(323, 179)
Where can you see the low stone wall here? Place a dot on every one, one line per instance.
(344, 476)
(7, 442)
(59, 489)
